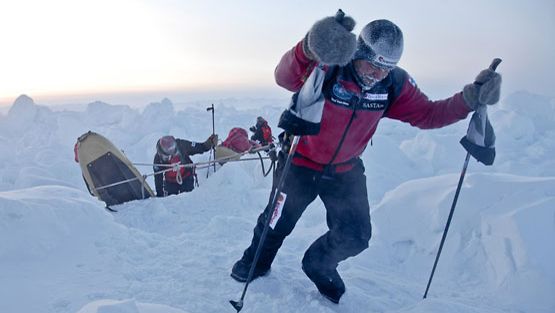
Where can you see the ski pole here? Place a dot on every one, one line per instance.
(238, 305)
(461, 179)
(492, 67)
(211, 108)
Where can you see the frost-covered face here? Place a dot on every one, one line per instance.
(369, 73)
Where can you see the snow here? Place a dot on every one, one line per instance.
(61, 251)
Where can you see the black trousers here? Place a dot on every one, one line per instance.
(347, 213)
(187, 185)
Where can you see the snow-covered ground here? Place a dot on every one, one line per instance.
(61, 251)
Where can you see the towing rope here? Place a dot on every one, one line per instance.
(272, 165)
(199, 165)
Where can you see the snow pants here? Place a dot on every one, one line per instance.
(347, 214)
(169, 188)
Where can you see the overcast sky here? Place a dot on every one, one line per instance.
(83, 50)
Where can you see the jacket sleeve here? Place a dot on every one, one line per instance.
(158, 178)
(294, 68)
(189, 147)
(414, 107)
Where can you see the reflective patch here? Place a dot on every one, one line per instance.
(412, 81)
(376, 97)
(276, 214)
(340, 92)
(384, 62)
(193, 144)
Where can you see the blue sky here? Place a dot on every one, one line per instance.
(61, 51)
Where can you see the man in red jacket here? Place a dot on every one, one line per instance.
(173, 151)
(262, 132)
(361, 86)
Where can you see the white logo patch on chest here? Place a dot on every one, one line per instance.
(375, 96)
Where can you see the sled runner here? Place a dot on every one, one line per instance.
(103, 164)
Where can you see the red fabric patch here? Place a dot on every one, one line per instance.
(267, 133)
(171, 176)
(238, 140)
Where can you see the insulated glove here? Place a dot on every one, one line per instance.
(330, 40)
(212, 141)
(485, 89)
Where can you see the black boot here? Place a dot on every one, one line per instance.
(240, 271)
(329, 283)
(241, 268)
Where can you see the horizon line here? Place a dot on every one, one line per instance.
(149, 95)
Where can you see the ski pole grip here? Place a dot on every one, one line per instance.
(494, 64)
(339, 15)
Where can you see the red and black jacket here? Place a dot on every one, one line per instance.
(351, 115)
(185, 148)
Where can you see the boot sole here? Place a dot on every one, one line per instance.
(244, 279)
(336, 301)
(321, 290)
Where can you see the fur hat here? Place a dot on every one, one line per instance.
(381, 43)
